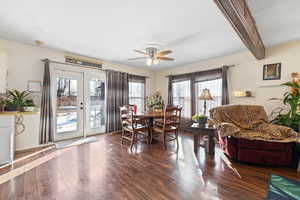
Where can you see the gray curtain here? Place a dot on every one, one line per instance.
(46, 118)
(170, 91)
(225, 93)
(117, 95)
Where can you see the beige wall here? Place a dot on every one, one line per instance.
(247, 73)
(24, 63)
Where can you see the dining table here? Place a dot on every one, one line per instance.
(150, 116)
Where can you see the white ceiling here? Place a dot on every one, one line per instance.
(277, 21)
(111, 29)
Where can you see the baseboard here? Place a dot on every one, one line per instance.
(22, 150)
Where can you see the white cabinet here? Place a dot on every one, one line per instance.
(3, 71)
(30, 137)
(6, 139)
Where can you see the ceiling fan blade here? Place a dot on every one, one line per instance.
(165, 58)
(163, 53)
(139, 51)
(138, 58)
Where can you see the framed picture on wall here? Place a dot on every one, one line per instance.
(34, 86)
(272, 71)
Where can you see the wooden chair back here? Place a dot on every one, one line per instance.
(172, 117)
(126, 113)
(127, 116)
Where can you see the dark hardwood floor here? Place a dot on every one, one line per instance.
(107, 170)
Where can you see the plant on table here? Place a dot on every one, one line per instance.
(201, 119)
(155, 101)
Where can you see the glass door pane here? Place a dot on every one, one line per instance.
(95, 98)
(67, 94)
(69, 105)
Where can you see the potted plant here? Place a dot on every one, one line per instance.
(200, 119)
(155, 102)
(289, 117)
(29, 105)
(10, 106)
(2, 103)
(16, 100)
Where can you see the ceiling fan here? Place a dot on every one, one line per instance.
(153, 56)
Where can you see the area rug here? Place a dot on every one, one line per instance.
(281, 188)
(69, 143)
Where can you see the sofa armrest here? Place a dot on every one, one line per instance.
(276, 132)
(228, 129)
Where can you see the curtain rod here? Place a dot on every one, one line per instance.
(229, 66)
(84, 66)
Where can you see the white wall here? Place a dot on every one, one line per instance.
(3, 69)
(247, 73)
(24, 62)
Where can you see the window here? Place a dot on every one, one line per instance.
(185, 90)
(215, 88)
(182, 96)
(137, 92)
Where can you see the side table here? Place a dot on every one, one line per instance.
(203, 131)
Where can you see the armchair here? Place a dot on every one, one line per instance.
(245, 135)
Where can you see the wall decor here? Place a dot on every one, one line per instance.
(34, 86)
(272, 71)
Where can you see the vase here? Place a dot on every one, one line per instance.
(10, 108)
(202, 121)
(29, 108)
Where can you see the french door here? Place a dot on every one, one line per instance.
(68, 104)
(95, 102)
(78, 98)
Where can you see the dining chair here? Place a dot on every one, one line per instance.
(169, 126)
(134, 129)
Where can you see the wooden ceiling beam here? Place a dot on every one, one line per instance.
(239, 16)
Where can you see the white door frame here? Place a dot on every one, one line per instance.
(86, 74)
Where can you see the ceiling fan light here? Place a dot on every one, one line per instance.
(149, 62)
(155, 61)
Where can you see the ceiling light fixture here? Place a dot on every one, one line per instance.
(153, 56)
(39, 42)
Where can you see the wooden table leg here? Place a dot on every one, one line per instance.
(196, 143)
(211, 145)
(150, 135)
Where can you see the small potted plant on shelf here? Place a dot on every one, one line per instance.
(155, 102)
(16, 100)
(200, 119)
(29, 105)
